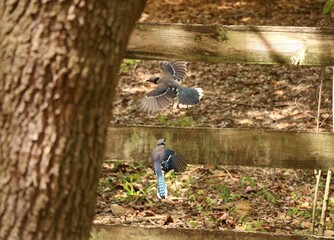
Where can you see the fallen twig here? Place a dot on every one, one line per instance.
(319, 172)
(233, 179)
(319, 99)
(325, 203)
(329, 174)
(314, 207)
(310, 115)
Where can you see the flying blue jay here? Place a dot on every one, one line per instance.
(169, 89)
(166, 160)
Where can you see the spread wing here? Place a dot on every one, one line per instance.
(178, 69)
(158, 99)
(174, 161)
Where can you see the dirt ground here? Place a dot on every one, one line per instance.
(235, 96)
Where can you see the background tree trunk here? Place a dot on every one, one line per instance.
(59, 65)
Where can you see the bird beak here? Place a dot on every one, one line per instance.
(153, 80)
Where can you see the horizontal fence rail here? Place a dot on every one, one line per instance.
(119, 232)
(233, 44)
(255, 148)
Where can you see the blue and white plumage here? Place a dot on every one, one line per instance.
(169, 91)
(164, 159)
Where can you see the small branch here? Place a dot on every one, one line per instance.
(329, 175)
(314, 207)
(229, 174)
(303, 110)
(228, 108)
(323, 121)
(325, 203)
(234, 104)
(319, 172)
(319, 100)
(145, 219)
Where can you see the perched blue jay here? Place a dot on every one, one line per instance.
(166, 160)
(169, 89)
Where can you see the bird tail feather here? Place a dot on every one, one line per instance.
(162, 189)
(189, 96)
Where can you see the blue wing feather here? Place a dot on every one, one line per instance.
(164, 159)
(173, 161)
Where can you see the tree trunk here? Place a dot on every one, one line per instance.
(59, 62)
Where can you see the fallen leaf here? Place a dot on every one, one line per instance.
(243, 208)
(168, 219)
(120, 210)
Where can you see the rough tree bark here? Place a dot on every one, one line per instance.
(59, 62)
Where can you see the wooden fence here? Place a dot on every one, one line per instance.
(224, 44)
(245, 147)
(233, 44)
(119, 232)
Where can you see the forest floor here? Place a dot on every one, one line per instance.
(235, 96)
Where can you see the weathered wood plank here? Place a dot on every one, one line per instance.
(233, 44)
(226, 146)
(119, 232)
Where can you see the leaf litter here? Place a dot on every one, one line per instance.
(235, 96)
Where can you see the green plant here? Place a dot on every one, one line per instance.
(209, 203)
(294, 212)
(162, 120)
(248, 227)
(182, 121)
(134, 194)
(199, 195)
(188, 183)
(170, 178)
(199, 208)
(294, 196)
(104, 184)
(193, 223)
(328, 7)
(331, 206)
(127, 64)
(225, 194)
(296, 232)
(307, 213)
(258, 226)
(242, 218)
(200, 192)
(246, 179)
(270, 197)
(255, 226)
